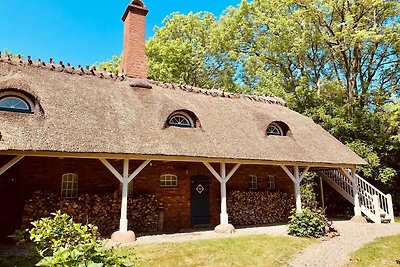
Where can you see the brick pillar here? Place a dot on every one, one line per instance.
(134, 59)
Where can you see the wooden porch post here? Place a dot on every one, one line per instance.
(123, 222)
(296, 178)
(224, 226)
(297, 188)
(357, 209)
(223, 215)
(321, 190)
(125, 179)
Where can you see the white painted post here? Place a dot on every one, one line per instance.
(224, 214)
(123, 223)
(357, 209)
(377, 211)
(297, 188)
(390, 207)
(321, 189)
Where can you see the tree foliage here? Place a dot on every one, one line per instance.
(335, 61)
(184, 51)
(111, 65)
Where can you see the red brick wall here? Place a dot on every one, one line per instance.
(45, 174)
(134, 59)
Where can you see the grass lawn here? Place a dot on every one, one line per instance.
(384, 251)
(397, 219)
(260, 250)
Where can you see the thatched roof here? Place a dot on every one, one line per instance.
(83, 111)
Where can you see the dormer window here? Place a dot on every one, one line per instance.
(15, 102)
(181, 119)
(274, 129)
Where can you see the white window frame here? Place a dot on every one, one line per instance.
(69, 185)
(271, 182)
(274, 129)
(181, 114)
(253, 182)
(22, 97)
(168, 180)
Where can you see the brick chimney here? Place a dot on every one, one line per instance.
(134, 60)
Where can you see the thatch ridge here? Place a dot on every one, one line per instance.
(220, 93)
(92, 71)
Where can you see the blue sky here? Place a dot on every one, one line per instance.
(81, 31)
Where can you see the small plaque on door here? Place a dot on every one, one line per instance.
(200, 189)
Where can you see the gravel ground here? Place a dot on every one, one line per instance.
(336, 251)
(206, 234)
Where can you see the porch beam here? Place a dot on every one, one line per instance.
(166, 158)
(112, 169)
(288, 173)
(303, 174)
(9, 164)
(345, 172)
(138, 170)
(213, 171)
(232, 172)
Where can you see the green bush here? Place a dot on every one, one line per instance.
(62, 242)
(50, 234)
(85, 255)
(307, 223)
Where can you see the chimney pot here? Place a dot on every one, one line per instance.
(134, 59)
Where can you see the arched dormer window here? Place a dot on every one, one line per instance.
(181, 119)
(274, 129)
(278, 128)
(15, 102)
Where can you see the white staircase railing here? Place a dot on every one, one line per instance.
(373, 203)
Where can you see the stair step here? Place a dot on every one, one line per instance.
(368, 194)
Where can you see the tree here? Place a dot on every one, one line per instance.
(336, 61)
(310, 43)
(183, 51)
(111, 65)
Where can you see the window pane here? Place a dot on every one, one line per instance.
(14, 103)
(69, 185)
(180, 120)
(168, 180)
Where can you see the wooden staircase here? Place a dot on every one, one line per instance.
(372, 202)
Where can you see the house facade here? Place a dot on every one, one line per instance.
(72, 131)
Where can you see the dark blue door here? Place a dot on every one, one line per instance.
(200, 199)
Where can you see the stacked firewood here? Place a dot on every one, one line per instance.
(101, 210)
(259, 207)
